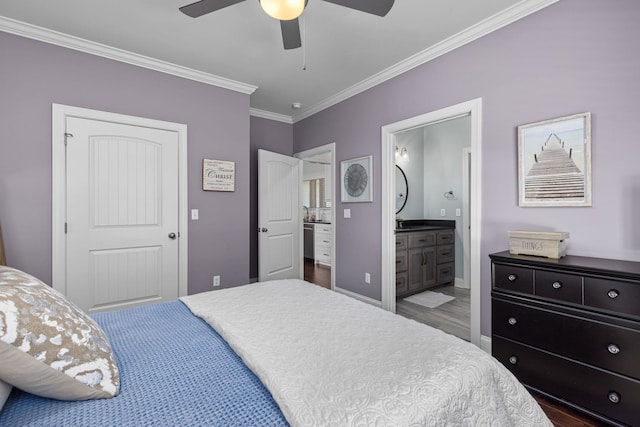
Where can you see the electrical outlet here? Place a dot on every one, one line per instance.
(367, 278)
(216, 280)
(195, 214)
(347, 213)
(458, 212)
(443, 212)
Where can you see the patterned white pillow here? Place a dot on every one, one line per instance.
(49, 346)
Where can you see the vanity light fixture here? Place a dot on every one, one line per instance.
(284, 10)
(402, 152)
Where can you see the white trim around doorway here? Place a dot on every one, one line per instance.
(59, 254)
(388, 136)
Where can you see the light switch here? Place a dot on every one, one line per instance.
(195, 214)
(347, 213)
(443, 212)
(458, 212)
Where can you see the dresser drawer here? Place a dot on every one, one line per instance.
(401, 283)
(610, 395)
(421, 240)
(401, 261)
(613, 295)
(515, 279)
(401, 242)
(445, 254)
(559, 286)
(607, 346)
(445, 237)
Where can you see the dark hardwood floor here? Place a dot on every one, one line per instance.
(563, 416)
(317, 273)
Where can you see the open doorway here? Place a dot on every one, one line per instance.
(472, 109)
(430, 205)
(318, 213)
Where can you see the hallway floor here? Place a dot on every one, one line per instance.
(317, 273)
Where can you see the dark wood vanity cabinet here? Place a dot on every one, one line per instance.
(570, 329)
(424, 259)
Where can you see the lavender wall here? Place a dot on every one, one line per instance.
(33, 75)
(272, 136)
(571, 57)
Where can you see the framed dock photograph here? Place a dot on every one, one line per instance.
(554, 162)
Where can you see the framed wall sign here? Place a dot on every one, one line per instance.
(356, 180)
(218, 175)
(554, 162)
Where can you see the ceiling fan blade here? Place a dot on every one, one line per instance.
(291, 34)
(375, 7)
(203, 7)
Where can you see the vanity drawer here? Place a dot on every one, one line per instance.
(445, 237)
(607, 346)
(401, 283)
(613, 396)
(421, 240)
(401, 242)
(613, 295)
(559, 286)
(515, 279)
(401, 261)
(445, 254)
(445, 273)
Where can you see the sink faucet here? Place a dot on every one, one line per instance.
(306, 213)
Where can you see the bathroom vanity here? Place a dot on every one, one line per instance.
(425, 255)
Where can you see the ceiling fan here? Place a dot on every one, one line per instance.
(287, 12)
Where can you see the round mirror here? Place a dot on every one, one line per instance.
(402, 189)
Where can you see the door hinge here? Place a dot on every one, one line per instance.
(65, 228)
(66, 136)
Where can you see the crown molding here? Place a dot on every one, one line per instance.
(76, 43)
(270, 116)
(489, 25)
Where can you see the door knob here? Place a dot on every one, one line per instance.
(264, 230)
(172, 236)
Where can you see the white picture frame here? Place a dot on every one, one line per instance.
(356, 180)
(554, 162)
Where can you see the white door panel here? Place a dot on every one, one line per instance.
(122, 204)
(279, 206)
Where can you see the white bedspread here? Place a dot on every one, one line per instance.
(329, 359)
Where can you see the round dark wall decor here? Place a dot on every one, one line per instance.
(355, 180)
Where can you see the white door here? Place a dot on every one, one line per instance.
(279, 211)
(122, 214)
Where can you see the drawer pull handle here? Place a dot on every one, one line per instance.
(556, 285)
(398, 262)
(447, 271)
(514, 359)
(512, 321)
(613, 349)
(398, 243)
(614, 397)
(512, 277)
(398, 283)
(613, 294)
(444, 253)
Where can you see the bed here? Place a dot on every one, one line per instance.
(284, 353)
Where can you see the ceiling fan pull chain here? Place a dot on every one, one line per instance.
(304, 43)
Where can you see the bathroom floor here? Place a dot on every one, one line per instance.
(317, 273)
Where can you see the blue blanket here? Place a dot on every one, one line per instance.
(175, 370)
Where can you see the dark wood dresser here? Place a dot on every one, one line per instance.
(570, 329)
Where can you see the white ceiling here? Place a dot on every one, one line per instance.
(345, 51)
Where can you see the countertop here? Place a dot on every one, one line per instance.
(409, 225)
(317, 222)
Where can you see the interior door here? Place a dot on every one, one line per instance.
(279, 212)
(121, 214)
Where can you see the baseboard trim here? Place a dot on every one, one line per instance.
(359, 297)
(485, 343)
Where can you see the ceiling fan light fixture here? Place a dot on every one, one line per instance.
(284, 10)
